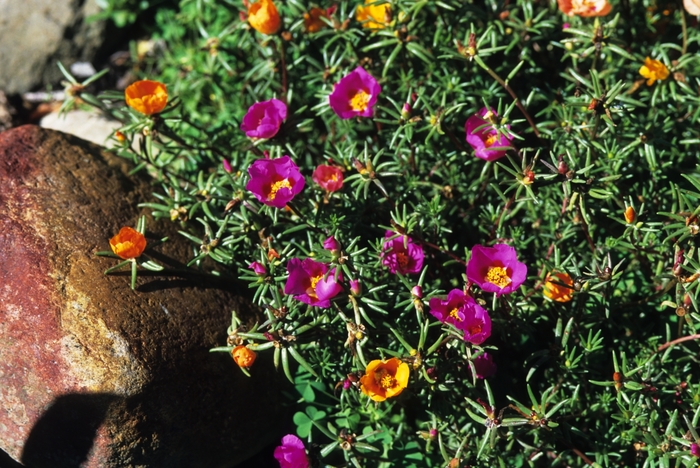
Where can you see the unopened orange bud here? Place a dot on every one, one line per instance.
(264, 17)
(630, 215)
(243, 356)
(119, 136)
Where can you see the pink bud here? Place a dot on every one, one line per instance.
(433, 433)
(417, 291)
(565, 26)
(331, 244)
(406, 111)
(355, 287)
(346, 384)
(227, 166)
(258, 268)
(695, 450)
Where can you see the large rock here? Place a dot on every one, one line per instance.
(34, 34)
(92, 373)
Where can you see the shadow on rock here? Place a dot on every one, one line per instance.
(63, 436)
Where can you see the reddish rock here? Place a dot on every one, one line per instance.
(92, 373)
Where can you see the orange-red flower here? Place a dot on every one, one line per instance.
(560, 288)
(243, 356)
(584, 8)
(312, 20)
(146, 96)
(264, 17)
(653, 70)
(384, 379)
(373, 16)
(128, 244)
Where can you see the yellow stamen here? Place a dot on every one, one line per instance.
(454, 314)
(490, 140)
(359, 101)
(498, 276)
(275, 187)
(384, 379)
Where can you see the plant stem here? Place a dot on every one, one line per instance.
(679, 340)
(685, 33)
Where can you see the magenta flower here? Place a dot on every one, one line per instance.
(258, 268)
(263, 119)
(291, 454)
(307, 285)
(484, 366)
(355, 95)
(329, 178)
(275, 181)
(452, 310)
(486, 141)
(496, 269)
(401, 255)
(331, 244)
(695, 450)
(477, 323)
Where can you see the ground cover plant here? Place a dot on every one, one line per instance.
(471, 225)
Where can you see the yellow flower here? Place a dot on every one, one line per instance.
(313, 21)
(384, 379)
(264, 17)
(373, 16)
(128, 244)
(653, 70)
(562, 290)
(243, 356)
(146, 96)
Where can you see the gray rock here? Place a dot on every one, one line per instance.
(34, 34)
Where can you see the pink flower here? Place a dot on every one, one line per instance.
(263, 119)
(695, 450)
(401, 255)
(355, 95)
(307, 285)
(275, 181)
(331, 244)
(496, 269)
(464, 313)
(484, 366)
(486, 137)
(330, 178)
(258, 268)
(291, 454)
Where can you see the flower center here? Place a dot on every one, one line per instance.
(311, 290)
(384, 379)
(402, 258)
(498, 276)
(359, 101)
(474, 329)
(276, 186)
(455, 315)
(490, 140)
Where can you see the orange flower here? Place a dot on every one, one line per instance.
(146, 96)
(557, 291)
(384, 379)
(584, 8)
(243, 356)
(264, 17)
(653, 70)
(128, 244)
(313, 21)
(373, 16)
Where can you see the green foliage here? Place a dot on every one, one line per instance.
(608, 378)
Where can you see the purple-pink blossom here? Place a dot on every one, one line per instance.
(275, 181)
(463, 312)
(306, 282)
(695, 449)
(484, 366)
(263, 119)
(355, 95)
(258, 268)
(496, 269)
(291, 454)
(483, 137)
(401, 254)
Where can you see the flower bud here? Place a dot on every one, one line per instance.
(227, 166)
(355, 287)
(264, 17)
(258, 268)
(406, 111)
(243, 356)
(630, 215)
(417, 292)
